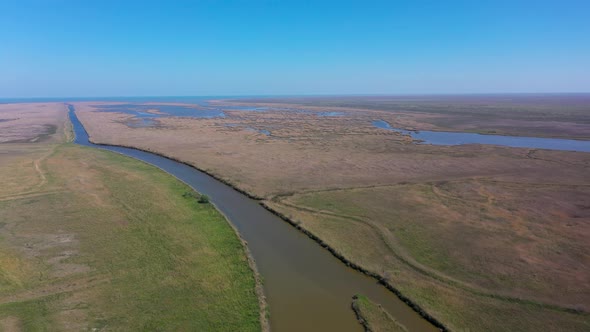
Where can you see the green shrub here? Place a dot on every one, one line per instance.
(204, 199)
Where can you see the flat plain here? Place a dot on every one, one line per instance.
(485, 238)
(548, 115)
(92, 240)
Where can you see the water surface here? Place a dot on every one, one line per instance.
(158, 111)
(455, 138)
(330, 114)
(201, 110)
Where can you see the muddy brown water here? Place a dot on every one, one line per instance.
(307, 288)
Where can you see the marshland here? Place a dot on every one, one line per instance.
(469, 233)
(286, 166)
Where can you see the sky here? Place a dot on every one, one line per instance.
(56, 48)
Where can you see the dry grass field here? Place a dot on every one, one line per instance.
(551, 115)
(91, 240)
(485, 238)
(30, 123)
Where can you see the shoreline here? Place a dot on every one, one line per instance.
(259, 288)
(380, 279)
(359, 316)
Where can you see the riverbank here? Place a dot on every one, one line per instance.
(275, 244)
(336, 253)
(372, 316)
(381, 279)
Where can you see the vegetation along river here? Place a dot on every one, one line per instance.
(307, 288)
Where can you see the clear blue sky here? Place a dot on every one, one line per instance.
(124, 48)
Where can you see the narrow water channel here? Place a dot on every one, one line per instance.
(459, 138)
(307, 288)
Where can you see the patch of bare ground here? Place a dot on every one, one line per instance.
(482, 237)
(10, 324)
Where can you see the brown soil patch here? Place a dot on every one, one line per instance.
(10, 324)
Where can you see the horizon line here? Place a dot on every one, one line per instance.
(304, 95)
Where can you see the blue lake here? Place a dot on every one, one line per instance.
(203, 111)
(454, 138)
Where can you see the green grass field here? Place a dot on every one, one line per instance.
(93, 240)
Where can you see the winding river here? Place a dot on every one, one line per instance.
(307, 288)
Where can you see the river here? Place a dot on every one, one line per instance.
(459, 138)
(307, 288)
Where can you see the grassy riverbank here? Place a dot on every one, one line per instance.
(438, 243)
(373, 317)
(91, 239)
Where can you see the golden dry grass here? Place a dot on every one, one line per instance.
(29, 123)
